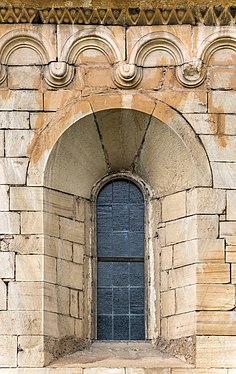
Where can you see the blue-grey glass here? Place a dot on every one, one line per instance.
(121, 327)
(137, 274)
(136, 244)
(121, 300)
(104, 297)
(121, 191)
(104, 218)
(104, 328)
(104, 270)
(105, 195)
(137, 328)
(104, 244)
(136, 217)
(136, 195)
(120, 274)
(137, 300)
(120, 217)
(120, 245)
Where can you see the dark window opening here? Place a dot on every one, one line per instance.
(120, 266)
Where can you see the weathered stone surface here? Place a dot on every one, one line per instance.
(25, 296)
(203, 123)
(216, 323)
(70, 274)
(8, 351)
(224, 174)
(166, 258)
(13, 170)
(72, 230)
(14, 120)
(205, 201)
(7, 265)
(168, 303)
(31, 222)
(21, 100)
(24, 77)
(215, 297)
(26, 244)
(26, 198)
(17, 142)
(174, 206)
(31, 351)
(58, 203)
(3, 295)
(215, 351)
(4, 197)
(181, 325)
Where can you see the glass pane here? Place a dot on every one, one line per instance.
(120, 191)
(136, 217)
(104, 244)
(120, 217)
(137, 274)
(121, 327)
(120, 245)
(104, 296)
(104, 328)
(104, 274)
(136, 195)
(136, 244)
(121, 300)
(120, 274)
(137, 300)
(104, 218)
(137, 329)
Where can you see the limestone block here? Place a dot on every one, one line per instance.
(230, 240)
(198, 250)
(215, 296)
(56, 299)
(231, 205)
(74, 303)
(59, 203)
(216, 351)
(79, 328)
(21, 322)
(104, 371)
(25, 296)
(9, 223)
(51, 224)
(4, 197)
(53, 100)
(50, 270)
(3, 295)
(227, 228)
(78, 253)
(224, 174)
(80, 209)
(66, 325)
(29, 77)
(181, 325)
(230, 253)
(192, 228)
(81, 304)
(8, 351)
(17, 142)
(99, 76)
(164, 280)
(31, 351)
(58, 248)
(233, 273)
(167, 303)
(182, 276)
(199, 371)
(38, 121)
(222, 102)
(219, 147)
(7, 265)
(31, 222)
(174, 206)
(166, 258)
(2, 143)
(212, 273)
(21, 100)
(51, 324)
(29, 268)
(72, 230)
(222, 78)
(184, 101)
(70, 274)
(185, 299)
(13, 170)
(227, 124)
(223, 59)
(27, 244)
(203, 123)
(216, 323)
(205, 201)
(14, 120)
(26, 198)
(152, 78)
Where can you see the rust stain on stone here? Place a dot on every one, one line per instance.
(220, 137)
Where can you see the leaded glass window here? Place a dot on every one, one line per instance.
(120, 266)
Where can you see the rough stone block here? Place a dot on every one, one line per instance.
(70, 274)
(8, 351)
(215, 297)
(205, 201)
(17, 142)
(216, 351)
(4, 197)
(59, 203)
(7, 265)
(192, 228)
(13, 170)
(198, 250)
(27, 244)
(26, 198)
(72, 230)
(174, 206)
(222, 102)
(21, 322)
(31, 351)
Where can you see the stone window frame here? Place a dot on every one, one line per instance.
(151, 319)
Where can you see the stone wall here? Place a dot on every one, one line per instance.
(80, 104)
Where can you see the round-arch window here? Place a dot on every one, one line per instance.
(120, 267)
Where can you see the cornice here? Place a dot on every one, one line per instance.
(128, 13)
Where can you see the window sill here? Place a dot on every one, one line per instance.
(120, 354)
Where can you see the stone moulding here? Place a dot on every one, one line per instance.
(59, 70)
(219, 15)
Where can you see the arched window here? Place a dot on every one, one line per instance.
(120, 262)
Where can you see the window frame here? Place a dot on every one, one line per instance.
(147, 195)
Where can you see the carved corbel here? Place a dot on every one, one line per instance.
(191, 74)
(58, 74)
(127, 75)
